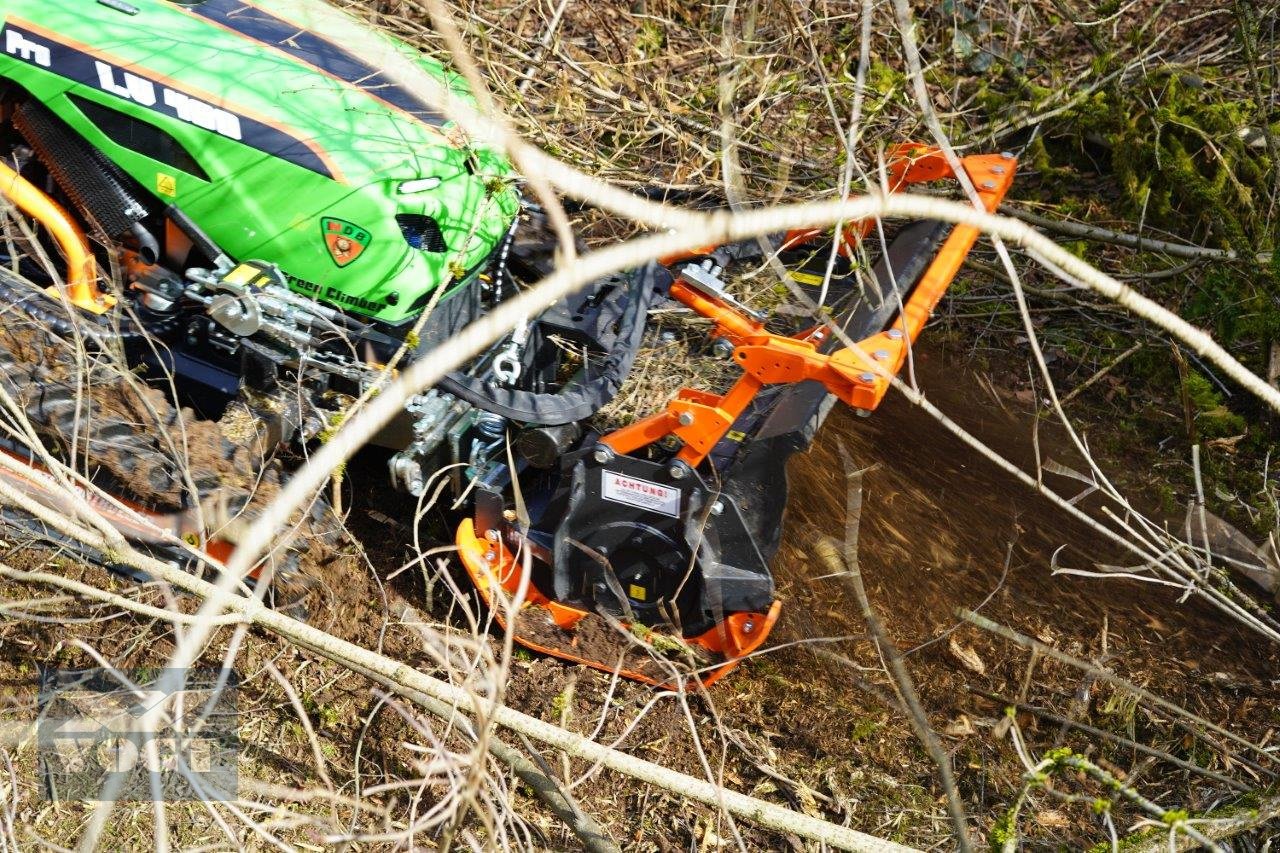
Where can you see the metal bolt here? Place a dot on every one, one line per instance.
(997, 170)
(866, 377)
(686, 419)
(862, 413)
(1008, 155)
(491, 534)
(490, 556)
(881, 354)
(509, 514)
(988, 185)
(895, 334)
(748, 626)
(722, 348)
(602, 454)
(717, 508)
(678, 470)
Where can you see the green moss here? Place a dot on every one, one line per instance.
(1003, 831)
(1213, 418)
(863, 729)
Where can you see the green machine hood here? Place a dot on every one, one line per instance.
(288, 130)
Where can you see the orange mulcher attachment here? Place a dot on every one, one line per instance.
(489, 561)
(650, 481)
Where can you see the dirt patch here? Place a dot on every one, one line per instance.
(649, 654)
(813, 721)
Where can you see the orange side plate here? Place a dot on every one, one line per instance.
(488, 561)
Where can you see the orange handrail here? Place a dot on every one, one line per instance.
(82, 286)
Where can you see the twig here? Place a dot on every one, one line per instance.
(1132, 241)
(1220, 828)
(1177, 710)
(1075, 392)
(1123, 741)
(544, 786)
(846, 566)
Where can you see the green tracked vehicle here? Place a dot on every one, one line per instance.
(285, 206)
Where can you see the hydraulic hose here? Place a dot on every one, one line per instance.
(587, 394)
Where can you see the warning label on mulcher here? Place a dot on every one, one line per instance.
(641, 494)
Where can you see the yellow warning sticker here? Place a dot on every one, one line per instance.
(808, 278)
(166, 185)
(243, 274)
(637, 592)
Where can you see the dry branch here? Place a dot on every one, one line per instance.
(451, 699)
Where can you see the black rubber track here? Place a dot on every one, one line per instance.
(138, 444)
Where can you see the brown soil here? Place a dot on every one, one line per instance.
(940, 529)
(596, 639)
(811, 722)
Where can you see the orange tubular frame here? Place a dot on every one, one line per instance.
(859, 376)
(82, 287)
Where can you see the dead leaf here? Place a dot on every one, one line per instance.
(1227, 444)
(961, 726)
(967, 656)
(1052, 818)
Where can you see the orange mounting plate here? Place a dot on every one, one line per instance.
(488, 561)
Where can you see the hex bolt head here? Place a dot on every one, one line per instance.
(722, 348)
(717, 508)
(895, 334)
(881, 354)
(1008, 155)
(602, 454)
(678, 470)
(491, 534)
(997, 170)
(748, 626)
(866, 377)
(490, 556)
(686, 419)
(988, 185)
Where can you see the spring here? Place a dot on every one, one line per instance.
(491, 426)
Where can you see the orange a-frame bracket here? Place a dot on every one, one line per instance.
(860, 375)
(491, 564)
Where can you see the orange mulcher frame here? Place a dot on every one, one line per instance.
(859, 376)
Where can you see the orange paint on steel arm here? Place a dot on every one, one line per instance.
(729, 323)
(992, 175)
(642, 433)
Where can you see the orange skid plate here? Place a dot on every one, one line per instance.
(490, 563)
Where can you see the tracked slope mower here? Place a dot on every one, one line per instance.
(276, 218)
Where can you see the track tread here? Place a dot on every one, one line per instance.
(133, 432)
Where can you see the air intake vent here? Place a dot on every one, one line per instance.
(422, 232)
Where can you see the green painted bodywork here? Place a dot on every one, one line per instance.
(259, 206)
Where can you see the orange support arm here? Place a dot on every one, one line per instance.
(860, 375)
(82, 287)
